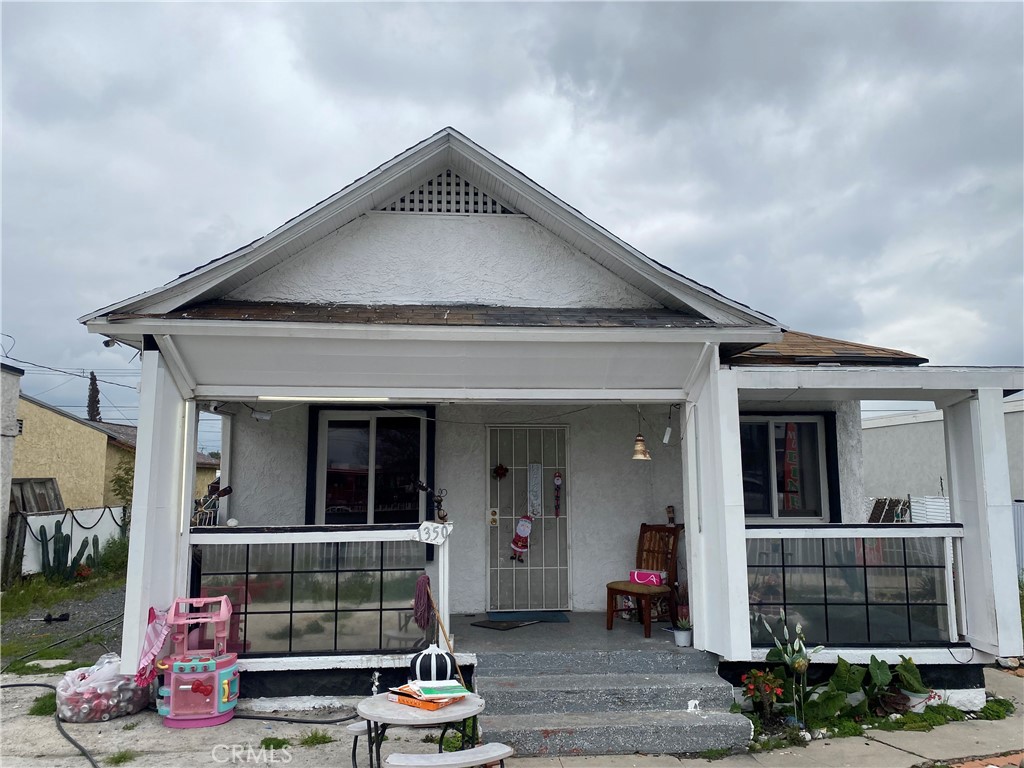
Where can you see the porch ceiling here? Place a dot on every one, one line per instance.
(632, 366)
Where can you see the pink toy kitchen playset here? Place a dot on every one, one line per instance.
(200, 682)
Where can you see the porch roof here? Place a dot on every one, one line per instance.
(796, 348)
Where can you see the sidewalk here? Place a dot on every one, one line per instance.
(33, 742)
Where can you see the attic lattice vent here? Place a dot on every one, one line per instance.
(446, 193)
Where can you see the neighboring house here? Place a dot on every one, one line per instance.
(445, 319)
(905, 454)
(63, 461)
(10, 387)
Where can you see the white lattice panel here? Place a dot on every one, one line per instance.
(446, 193)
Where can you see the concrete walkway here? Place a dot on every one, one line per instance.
(33, 742)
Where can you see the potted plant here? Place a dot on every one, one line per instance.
(683, 631)
(911, 685)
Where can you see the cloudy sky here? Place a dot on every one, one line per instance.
(854, 170)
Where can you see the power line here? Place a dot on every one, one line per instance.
(82, 375)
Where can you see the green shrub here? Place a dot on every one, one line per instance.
(996, 709)
(114, 555)
(952, 714)
(844, 726)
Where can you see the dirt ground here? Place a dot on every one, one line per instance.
(25, 632)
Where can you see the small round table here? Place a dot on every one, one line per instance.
(381, 713)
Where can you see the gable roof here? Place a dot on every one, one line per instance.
(796, 348)
(446, 150)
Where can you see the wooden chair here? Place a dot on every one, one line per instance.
(655, 551)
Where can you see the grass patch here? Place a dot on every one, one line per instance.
(844, 727)
(996, 709)
(715, 754)
(452, 742)
(36, 593)
(315, 738)
(130, 726)
(15, 649)
(122, 757)
(272, 742)
(44, 705)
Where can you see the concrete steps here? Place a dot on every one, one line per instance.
(620, 733)
(603, 693)
(606, 702)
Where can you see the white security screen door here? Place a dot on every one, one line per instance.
(524, 463)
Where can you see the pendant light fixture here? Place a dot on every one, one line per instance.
(640, 452)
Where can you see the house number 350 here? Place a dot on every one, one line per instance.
(432, 533)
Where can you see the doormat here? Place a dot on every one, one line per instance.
(502, 626)
(557, 617)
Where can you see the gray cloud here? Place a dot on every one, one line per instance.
(852, 169)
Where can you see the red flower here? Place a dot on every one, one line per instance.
(778, 691)
(743, 678)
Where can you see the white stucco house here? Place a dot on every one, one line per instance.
(445, 319)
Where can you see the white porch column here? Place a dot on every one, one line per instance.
(979, 489)
(715, 526)
(158, 531)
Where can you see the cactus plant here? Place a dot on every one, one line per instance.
(57, 566)
(93, 560)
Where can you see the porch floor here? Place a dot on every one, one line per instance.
(584, 632)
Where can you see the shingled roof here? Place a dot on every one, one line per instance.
(449, 315)
(797, 348)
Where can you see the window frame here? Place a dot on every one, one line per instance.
(324, 417)
(770, 420)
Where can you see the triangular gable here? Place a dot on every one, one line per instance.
(446, 150)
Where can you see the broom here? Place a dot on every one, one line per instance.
(423, 597)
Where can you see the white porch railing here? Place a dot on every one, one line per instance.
(849, 585)
(329, 589)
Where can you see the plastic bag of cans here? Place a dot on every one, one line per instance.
(100, 692)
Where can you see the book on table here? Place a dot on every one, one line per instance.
(411, 697)
(438, 689)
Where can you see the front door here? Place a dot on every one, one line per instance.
(528, 518)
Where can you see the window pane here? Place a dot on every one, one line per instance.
(312, 632)
(888, 624)
(843, 551)
(359, 590)
(797, 477)
(802, 551)
(764, 552)
(397, 460)
(925, 552)
(887, 585)
(756, 469)
(929, 624)
(845, 585)
(805, 585)
(348, 466)
(847, 624)
(927, 585)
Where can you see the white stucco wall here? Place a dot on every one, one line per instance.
(397, 258)
(907, 454)
(268, 466)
